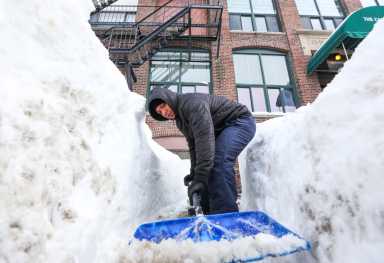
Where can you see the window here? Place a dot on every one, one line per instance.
(179, 76)
(320, 14)
(264, 81)
(253, 15)
(366, 3)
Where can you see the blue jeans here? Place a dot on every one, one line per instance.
(220, 193)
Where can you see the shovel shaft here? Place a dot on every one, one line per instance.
(196, 204)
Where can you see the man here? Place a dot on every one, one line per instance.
(217, 130)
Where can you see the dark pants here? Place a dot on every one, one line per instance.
(220, 193)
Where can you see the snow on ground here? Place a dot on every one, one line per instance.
(242, 248)
(320, 172)
(78, 170)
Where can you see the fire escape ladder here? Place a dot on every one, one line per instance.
(131, 44)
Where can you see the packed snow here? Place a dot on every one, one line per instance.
(78, 168)
(171, 251)
(319, 172)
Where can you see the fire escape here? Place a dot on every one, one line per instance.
(134, 34)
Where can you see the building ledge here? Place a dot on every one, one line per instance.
(313, 32)
(256, 33)
(269, 115)
(311, 40)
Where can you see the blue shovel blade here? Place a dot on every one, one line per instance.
(216, 227)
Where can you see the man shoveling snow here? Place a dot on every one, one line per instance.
(217, 129)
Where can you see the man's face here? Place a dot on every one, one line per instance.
(164, 110)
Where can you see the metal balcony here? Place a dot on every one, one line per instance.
(134, 34)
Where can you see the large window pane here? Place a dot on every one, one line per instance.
(246, 23)
(306, 7)
(275, 70)
(329, 24)
(316, 24)
(289, 100)
(195, 72)
(202, 89)
(188, 89)
(274, 100)
(235, 22)
(263, 7)
(165, 71)
(171, 87)
(367, 3)
(156, 86)
(238, 6)
(272, 24)
(306, 23)
(244, 97)
(258, 99)
(260, 24)
(329, 8)
(247, 69)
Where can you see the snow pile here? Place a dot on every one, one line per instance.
(78, 170)
(320, 172)
(233, 245)
(224, 250)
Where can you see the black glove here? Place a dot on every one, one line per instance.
(187, 179)
(195, 187)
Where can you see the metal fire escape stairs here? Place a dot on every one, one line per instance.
(131, 44)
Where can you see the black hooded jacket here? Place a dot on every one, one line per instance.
(201, 118)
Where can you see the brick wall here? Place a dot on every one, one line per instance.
(223, 78)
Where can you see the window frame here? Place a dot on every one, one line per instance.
(322, 18)
(253, 16)
(265, 86)
(179, 84)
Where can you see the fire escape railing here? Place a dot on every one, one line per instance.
(136, 33)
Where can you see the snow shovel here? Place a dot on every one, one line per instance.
(231, 227)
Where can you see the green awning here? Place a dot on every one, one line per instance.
(351, 32)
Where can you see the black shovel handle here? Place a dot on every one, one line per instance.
(196, 204)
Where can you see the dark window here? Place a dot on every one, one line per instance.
(306, 23)
(235, 22)
(273, 26)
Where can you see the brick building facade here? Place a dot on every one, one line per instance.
(296, 23)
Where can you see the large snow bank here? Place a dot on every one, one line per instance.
(319, 172)
(78, 170)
